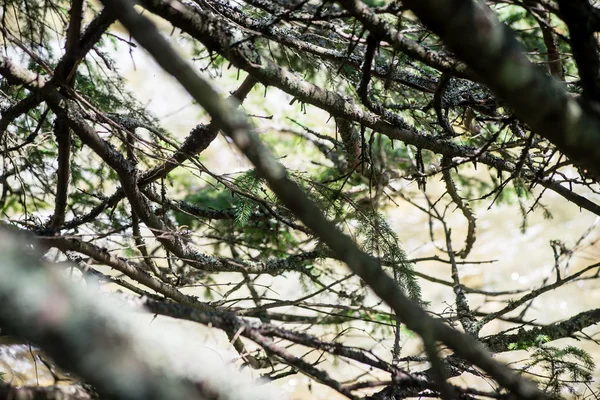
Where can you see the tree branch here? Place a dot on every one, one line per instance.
(474, 33)
(234, 123)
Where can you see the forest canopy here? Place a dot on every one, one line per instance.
(351, 116)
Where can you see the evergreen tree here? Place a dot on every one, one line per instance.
(441, 108)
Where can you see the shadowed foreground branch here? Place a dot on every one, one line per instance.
(92, 336)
